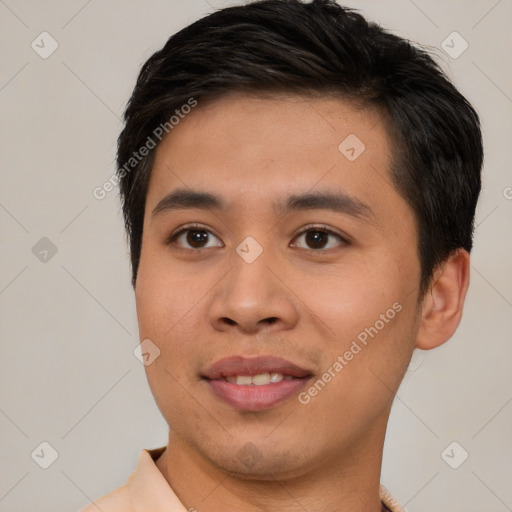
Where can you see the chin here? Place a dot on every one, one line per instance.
(259, 463)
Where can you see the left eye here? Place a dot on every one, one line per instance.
(196, 238)
(318, 238)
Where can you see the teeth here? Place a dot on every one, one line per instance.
(243, 380)
(261, 379)
(257, 380)
(277, 377)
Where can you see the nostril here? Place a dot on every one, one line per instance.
(229, 321)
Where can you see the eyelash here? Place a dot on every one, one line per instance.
(311, 227)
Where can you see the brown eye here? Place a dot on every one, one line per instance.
(319, 238)
(195, 238)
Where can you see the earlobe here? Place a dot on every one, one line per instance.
(443, 304)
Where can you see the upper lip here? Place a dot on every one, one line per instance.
(240, 365)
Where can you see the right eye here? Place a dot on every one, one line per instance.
(197, 237)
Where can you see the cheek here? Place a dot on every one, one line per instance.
(167, 315)
(362, 369)
(370, 311)
(352, 297)
(167, 298)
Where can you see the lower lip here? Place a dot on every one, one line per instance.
(256, 398)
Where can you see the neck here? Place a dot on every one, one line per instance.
(348, 482)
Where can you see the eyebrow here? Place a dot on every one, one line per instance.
(339, 202)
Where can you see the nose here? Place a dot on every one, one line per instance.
(252, 298)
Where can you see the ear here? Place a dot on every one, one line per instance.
(441, 311)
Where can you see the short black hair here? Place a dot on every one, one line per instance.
(318, 48)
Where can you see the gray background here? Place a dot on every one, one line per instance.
(68, 375)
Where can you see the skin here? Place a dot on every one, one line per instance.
(200, 305)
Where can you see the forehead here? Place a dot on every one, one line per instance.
(249, 149)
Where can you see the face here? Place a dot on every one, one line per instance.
(283, 302)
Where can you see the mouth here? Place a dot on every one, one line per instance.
(255, 384)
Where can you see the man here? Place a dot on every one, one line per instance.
(299, 190)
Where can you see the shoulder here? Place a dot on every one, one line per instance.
(142, 485)
(117, 500)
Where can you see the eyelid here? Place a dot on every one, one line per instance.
(187, 227)
(322, 227)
